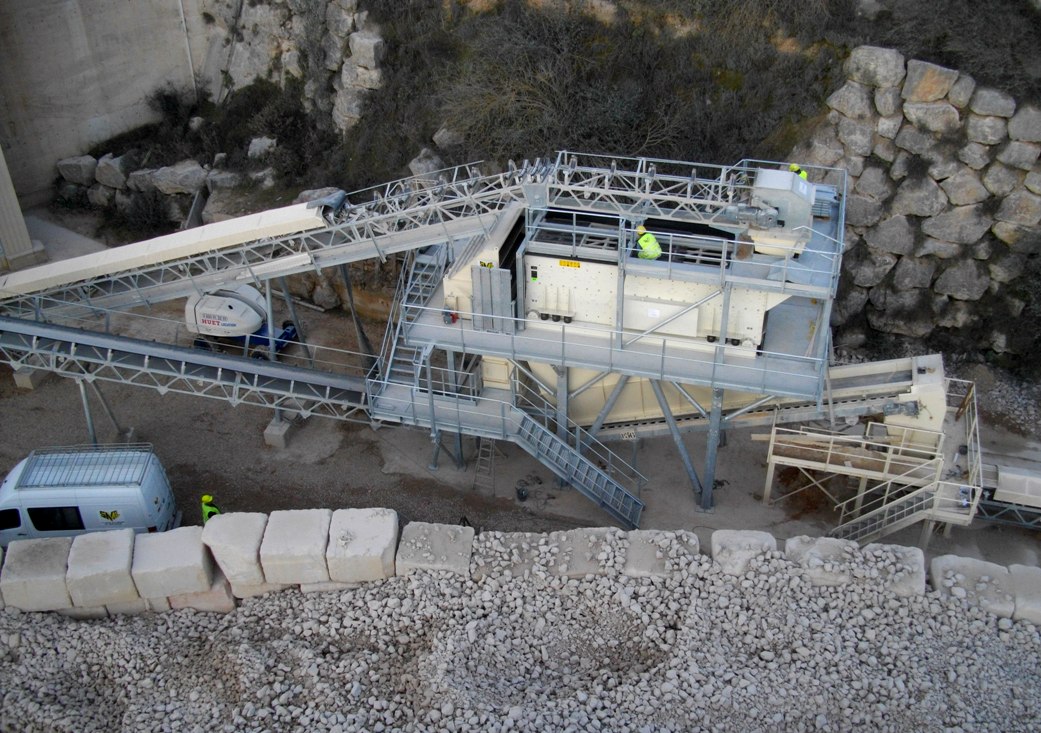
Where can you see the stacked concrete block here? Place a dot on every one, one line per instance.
(217, 599)
(171, 563)
(505, 554)
(99, 569)
(362, 545)
(426, 546)
(658, 554)
(234, 539)
(979, 583)
(823, 560)
(733, 549)
(586, 551)
(33, 578)
(1026, 590)
(293, 549)
(900, 570)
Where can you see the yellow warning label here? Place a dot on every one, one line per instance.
(569, 263)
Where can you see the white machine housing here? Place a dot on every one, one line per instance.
(793, 198)
(232, 312)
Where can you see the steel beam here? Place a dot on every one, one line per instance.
(677, 438)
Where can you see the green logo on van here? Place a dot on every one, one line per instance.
(110, 516)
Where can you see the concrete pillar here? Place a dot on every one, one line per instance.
(16, 249)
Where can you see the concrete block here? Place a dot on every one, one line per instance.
(99, 568)
(658, 554)
(234, 540)
(1026, 590)
(160, 604)
(901, 570)
(33, 578)
(824, 561)
(293, 550)
(427, 546)
(588, 551)
(977, 582)
(276, 434)
(130, 608)
(327, 587)
(362, 545)
(171, 563)
(505, 554)
(84, 613)
(218, 599)
(248, 591)
(733, 549)
(26, 378)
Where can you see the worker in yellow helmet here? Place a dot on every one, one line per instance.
(209, 509)
(794, 168)
(649, 247)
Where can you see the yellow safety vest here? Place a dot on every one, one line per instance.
(208, 510)
(649, 247)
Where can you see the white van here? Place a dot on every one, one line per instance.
(60, 492)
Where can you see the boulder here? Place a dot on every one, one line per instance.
(426, 546)
(339, 20)
(982, 250)
(222, 180)
(957, 314)
(964, 188)
(874, 183)
(315, 194)
(884, 150)
(963, 280)
(100, 195)
(261, 146)
(858, 137)
(1020, 155)
(72, 194)
(142, 180)
(112, 171)
(908, 313)
(334, 47)
(978, 583)
(234, 541)
(974, 155)
(874, 66)
(937, 248)
(824, 561)
(852, 100)
(1025, 125)
(988, 102)
(447, 138)
(919, 197)
(888, 101)
(850, 303)
(79, 169)
(962, 225)
(1020, 239)
(961, 91)
(895, 235)
(939, 117)
(862, 211)
(915, 141)
(943, 167)
(914, 272)
(184, 177)
(1001, 180)
(734, 549)
(426, 162)
(986, 130)
(1006, 267)
(33, 576)
(347, 107)
(1020, 207)
(927, 82)
(889, 127)
(367, 49)
(1033, 182)
(871, 266)
(362, 543)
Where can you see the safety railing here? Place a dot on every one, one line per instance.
(942, 501)
(961, 401)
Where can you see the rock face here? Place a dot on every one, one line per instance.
(943, 204)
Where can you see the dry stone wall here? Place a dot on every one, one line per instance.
(943, 204)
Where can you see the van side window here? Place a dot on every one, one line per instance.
(10, 519)
(56, 518)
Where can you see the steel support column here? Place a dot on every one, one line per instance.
(678, 439)
(714, 431)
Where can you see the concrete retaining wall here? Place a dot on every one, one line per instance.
(241, 555)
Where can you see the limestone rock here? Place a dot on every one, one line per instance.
(915, 141)
(334, 47)
(78, 169)
(1026, 125)
(142, 180)
(974, 155)
(853, 100)
(222, 179)
(447, 138)
(347, 107)
(963, 280)
(943, 167)
(426, 162)
(100, 195)
(1001, 180)
(986, 130)
(888, 101)
(315, 194)
(874, 183)
(870, 266)
(957, 314)
(961, 91)
(919, 197)
(989, 102)
(1033, 182)
(895, 235)
(964, 188)
(862, 211)
(874, 66)
(261, 146)
(962, 225)
(927, 82)
(888, 127)
(907, 313)
(360, 77)
(1020, 155)
(339, 20)
(938, 117)
(850, 303)
(367, 49)
(1006, 267)
(1020, 207)
(858, 137)
(184, 177)
(884, 150)
(914, 272)
(112, 171)
(937, 248)
(1020, 239)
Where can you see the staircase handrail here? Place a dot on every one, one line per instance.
(886, 487)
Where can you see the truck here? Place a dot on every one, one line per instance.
(66, 491)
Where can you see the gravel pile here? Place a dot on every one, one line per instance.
(534, 650)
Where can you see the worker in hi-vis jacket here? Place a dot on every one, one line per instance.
(209, 509)
(649, 247)
(794, 168)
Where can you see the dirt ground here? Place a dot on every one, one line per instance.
(209, 446)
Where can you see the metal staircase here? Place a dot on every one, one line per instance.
(940, 501)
